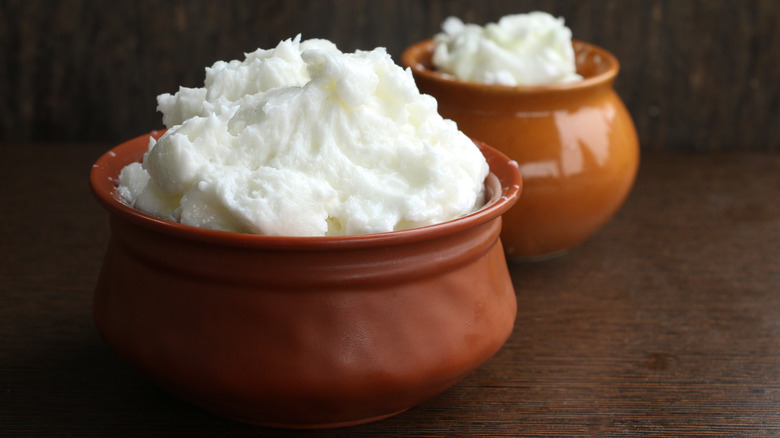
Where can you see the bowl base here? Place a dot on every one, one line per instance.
(539, 258)
(332, 425)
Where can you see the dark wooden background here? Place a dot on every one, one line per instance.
(696, 75)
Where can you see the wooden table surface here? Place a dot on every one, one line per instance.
(665, 323)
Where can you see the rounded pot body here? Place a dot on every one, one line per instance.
(304, 332)
(575, 143)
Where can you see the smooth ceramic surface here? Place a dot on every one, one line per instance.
(575, 143)
(304, 332)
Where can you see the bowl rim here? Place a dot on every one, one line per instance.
(105, 172)
(411, 58)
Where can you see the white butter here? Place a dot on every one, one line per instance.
(304, 140)
(521, 49)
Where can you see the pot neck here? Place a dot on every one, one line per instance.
(597, 67)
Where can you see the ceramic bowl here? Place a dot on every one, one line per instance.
(575, 143)
(304, 332)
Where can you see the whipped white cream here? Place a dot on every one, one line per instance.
(304, 140)
(521, 49)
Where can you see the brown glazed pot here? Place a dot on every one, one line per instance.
(304, 332)
(575, 143)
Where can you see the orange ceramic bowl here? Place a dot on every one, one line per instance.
(575, 143)
(304, 332)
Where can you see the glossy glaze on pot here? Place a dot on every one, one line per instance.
(304, 331)
(575, 143)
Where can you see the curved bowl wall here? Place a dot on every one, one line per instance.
(304, 332)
